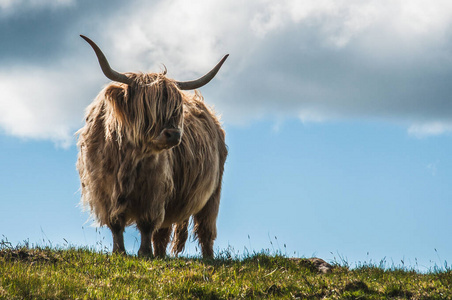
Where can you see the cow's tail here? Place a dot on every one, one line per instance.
(180, 237)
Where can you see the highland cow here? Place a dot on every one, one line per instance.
(153, 156)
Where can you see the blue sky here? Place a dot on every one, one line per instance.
(338, 118)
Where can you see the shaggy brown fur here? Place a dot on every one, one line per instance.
(132, 171)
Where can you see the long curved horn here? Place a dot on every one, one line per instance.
(105, 66)
(197, 83)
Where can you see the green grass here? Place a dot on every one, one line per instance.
(74, 273)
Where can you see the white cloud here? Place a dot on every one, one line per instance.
(43, 103)
(429, 129)
(189, 37)
(342, 20)
(433, 168)
(312, 116)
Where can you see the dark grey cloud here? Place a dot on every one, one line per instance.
(296, 69)
(41, 35)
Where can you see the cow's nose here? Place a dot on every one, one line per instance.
(172, 136)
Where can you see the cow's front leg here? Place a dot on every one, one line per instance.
(146, 229)
(117, 229)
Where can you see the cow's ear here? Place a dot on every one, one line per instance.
(116, 96)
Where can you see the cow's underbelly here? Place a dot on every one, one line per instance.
(184, 206)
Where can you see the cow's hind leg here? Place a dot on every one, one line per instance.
(180, 237)
(161, 239)
(205, 224)
(117, 229)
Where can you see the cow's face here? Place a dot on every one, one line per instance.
(150, 110)
(165, 125)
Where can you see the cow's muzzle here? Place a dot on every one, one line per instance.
(169, 137)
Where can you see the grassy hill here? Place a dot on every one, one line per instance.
(45, 273)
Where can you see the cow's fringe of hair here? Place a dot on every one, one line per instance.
(146, 114)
